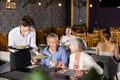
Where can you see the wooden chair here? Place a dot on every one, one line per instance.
(92, 39)
(60, 31)
(110, 66)
(40, 37)
(100, 34)
(79, 28)
(118, 38)
(115, 36)
(82, 35)
(3, 42)
(47, 30)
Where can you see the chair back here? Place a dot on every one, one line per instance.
(110, 66)
(39, 37)
(83, 35)
(3, 42)
(92, 39)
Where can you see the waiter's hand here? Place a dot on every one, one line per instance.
(13, 50)
(79, 73)
(38, 53)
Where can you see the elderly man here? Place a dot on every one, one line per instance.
(56, 55)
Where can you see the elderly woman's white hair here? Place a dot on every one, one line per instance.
(79, 43)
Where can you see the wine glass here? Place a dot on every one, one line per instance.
(52, 62)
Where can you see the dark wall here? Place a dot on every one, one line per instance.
(104, 17)
(68, 12)
(52, 16)
(108, 17)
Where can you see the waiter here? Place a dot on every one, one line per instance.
(22, 36)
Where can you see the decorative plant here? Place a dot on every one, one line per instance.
(36, 75)
(28, 2)
(77, 3)
(51, 2)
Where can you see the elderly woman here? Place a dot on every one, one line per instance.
(79, 60)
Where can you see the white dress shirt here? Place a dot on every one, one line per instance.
(65, 39)
(15, 38)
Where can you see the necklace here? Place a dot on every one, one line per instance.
(76, 63)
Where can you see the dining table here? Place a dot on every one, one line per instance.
(52, 73)
(60, 74)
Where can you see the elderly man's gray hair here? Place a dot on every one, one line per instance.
(51, 35)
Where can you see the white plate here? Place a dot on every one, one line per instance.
(20, 47)
(38, 57)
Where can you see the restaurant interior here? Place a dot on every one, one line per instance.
(87, 18)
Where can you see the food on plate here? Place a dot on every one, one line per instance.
(19, 46)
(39, 57)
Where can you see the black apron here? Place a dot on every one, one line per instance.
(20, 59)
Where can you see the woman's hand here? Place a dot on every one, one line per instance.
(79, 73)
(61, 65)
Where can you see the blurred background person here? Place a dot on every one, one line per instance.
(68, 35)
(65, 38)
(56, 54)
(107, 47)
(79, 60)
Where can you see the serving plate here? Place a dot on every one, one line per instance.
(19, 47)
(39, 57)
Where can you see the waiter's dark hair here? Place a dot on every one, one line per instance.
(27, 21)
